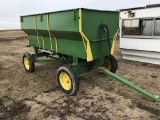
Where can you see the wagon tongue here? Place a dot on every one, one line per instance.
(129, 84)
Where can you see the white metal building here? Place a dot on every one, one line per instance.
(140, 34)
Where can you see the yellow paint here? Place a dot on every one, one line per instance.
(114, 42)
(55, 42)
(49, 32)
(84, 42)
(50, 35)
(65, 81)
(87, 47)
(43, 41)
(26, 63)
(35, 26)
(115, 38)
(80, 20)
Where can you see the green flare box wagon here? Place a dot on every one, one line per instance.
(81, 38)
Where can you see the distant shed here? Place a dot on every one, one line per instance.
(140, 34)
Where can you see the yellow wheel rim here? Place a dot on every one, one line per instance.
(109, 65)
(65, 81)
(26, 63)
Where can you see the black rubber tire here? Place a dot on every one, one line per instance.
(113, 63)
(73, 77)
(31, 62)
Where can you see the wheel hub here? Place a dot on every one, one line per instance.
(26, 63)
(65, 81)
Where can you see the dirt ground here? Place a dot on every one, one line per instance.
(32, 96)
(11, 33)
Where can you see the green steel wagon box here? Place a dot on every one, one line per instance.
(81, 38)
(71, 32)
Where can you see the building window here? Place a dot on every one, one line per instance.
(130, 27)
(143, 27)
(156, 31)
(147, 27)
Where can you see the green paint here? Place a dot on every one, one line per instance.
(49, 60)
(83, 67)
(129, 84)
(75, 61)
(65, 26)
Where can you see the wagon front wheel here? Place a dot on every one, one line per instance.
(111, 63)
(68, 80)
(28, 62)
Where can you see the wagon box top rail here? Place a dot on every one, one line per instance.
(72, 10)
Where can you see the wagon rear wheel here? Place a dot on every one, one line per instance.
(111, 63)
(28, 62)
(68, 80)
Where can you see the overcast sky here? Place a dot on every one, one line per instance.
(11, 10)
